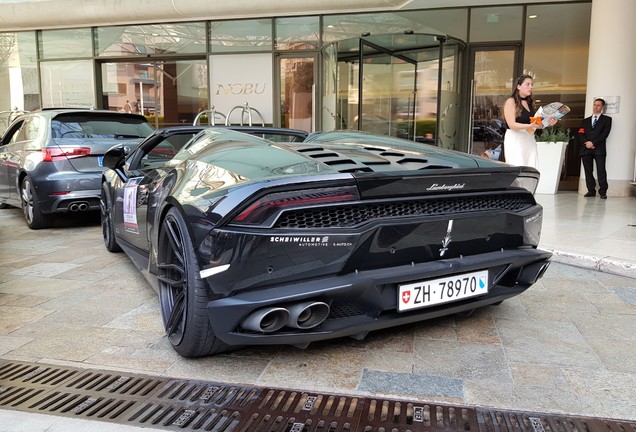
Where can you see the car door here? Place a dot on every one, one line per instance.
(131, 196)
(10, 148)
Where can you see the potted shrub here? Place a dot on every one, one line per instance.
(551, 145)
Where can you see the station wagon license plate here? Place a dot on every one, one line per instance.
(443, 290)
(100, 161)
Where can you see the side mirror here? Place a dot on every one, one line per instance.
(115, 156)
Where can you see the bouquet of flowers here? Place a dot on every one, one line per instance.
(547, 112)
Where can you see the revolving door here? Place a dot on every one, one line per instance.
(404, 85)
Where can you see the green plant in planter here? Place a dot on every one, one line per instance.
(554, 133)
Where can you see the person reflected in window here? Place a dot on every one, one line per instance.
(592, 136)
(520, 147)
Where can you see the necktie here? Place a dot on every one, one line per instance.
(594, 121)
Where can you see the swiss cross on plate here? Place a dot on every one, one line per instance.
(406, 296)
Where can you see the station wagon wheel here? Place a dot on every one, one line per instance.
(33, 215)
(182, 293)
(108, 226)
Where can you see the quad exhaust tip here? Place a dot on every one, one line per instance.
(266, 320)
(304, 315)
(530, 274)
(307, 315)
(78, 206)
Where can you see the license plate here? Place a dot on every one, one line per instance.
(100, 161)
(443, 290)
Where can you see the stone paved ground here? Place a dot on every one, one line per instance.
(567, 345)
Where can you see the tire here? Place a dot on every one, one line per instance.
(108, 225)
(182, 293)
(33, 215)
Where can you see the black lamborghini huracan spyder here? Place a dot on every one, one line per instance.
(250, 241)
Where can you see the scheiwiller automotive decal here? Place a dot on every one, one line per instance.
(130, 205)
(447, 239)
(309, 241)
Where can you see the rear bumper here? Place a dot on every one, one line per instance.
(369, 298)
(63, 192)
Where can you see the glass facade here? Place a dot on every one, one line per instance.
(59, 44)
(496, 24)
(19, 83)
(155, 39)
(241, 36)
(67, 84)
(297, 33)
(286, 70)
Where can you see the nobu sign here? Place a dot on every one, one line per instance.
(241, 88)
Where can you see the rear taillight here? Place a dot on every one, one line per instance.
(51, 154)
(261, 209)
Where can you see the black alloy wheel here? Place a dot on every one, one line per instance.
(108, 226)
(182, 294)
(33, 215)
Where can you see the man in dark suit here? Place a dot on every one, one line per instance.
(592, 136)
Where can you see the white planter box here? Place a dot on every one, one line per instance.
(551, 155)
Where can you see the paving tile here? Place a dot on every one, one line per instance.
(12, 317)
(617, 355)
(537, 375)
(604, 393)
(27, 301)
(73, 343)
(146, 317)
(383, 382)
(508, 396)
(557, 305)
(317, 368)
(478, 329)
(389, 361)
(39, 286)
(9, 343)
(541, 342)
(40, 329)
(609, 327)
(461, 360)
(221, 368)
(8, 298)
(144, 360)
(512, 308)
(627, 295)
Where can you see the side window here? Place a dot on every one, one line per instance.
(29, 133)
(165, 150)
(12, 135)
(32, 129)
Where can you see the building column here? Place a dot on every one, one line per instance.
(611, 72)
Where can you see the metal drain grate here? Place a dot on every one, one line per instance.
(173, 404)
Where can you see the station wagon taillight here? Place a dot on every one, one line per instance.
(52, 154)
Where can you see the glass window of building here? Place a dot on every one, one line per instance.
(559, 69)
(67, 84)
(134, 40)
(241, 35)
(18, 75)
(496, 24)
(297, 33)
(451, 22)
(71, 43)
